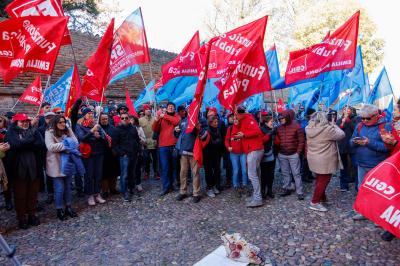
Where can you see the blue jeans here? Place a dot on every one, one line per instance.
(168, 167)
(362, 172)
(62, 191)
(238, 161)
(127, 165)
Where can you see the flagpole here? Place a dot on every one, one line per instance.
(141, 74)
(100, 105)
(46, 86)
(351, 87)
(12, 108)
(276, 105)
(76, 63)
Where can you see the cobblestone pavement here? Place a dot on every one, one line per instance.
(154, 231)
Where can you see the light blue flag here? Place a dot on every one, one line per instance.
(174, 88)
(129, 71)
(350, 97)
(146, 96)
(367, 88)
(354, 77)
(254, 102)
(57, 94)
(210, 97)
(273, 64)
(381, 87)
(186, 96)
(389, 111)
(305, 94)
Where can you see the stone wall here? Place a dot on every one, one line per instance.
(84, 45)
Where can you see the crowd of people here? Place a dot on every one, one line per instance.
(90, 151)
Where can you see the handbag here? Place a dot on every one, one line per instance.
(85, 150)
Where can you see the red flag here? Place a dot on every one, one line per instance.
(129, 104)
(97, 75)
(130, 44)
(202, 63)
(33, 94)
(230, 47)
(52, 8)
(30, 44)
(250, 76)
(280, 107)
(337, 51)
(378, 198)
(74, 91)
(184, 64)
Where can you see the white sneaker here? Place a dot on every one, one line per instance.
(215, 190)
(139, 188)
(91, 201)
(317, 207)
(99, 199)
(210, 193)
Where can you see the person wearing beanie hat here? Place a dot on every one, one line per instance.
(122, 109)
(24, 142)
(92, 137)
(150, 148)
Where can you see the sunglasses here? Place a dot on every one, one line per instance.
(59, 112)
(61, 122)
(367, 118)
(124, 118)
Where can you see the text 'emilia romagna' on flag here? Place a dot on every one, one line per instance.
(30, 44)
(130, 45)
(33, 94)
(337, 51)
(52, 8)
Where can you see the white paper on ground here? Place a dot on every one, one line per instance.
(218, 258)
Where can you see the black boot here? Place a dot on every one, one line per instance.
(23, 224)
(9, 205)
(70, 212)
(61, 215)
(33, 220)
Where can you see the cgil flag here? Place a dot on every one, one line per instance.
(52, 8)
(35, 46)
(33, 94)
(184, 64)
(96, 78)
(337, 51)
(130, 46)
(378, 198)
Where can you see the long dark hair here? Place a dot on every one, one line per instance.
(57, 132)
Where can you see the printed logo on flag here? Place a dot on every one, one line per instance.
(374, 181)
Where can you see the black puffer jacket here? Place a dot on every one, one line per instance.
(23, 153)
(125, 140)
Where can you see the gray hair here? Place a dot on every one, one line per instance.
(319, 119)
(368, 110)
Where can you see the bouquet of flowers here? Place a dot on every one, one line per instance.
(238, 249)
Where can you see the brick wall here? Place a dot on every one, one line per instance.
(84, 46)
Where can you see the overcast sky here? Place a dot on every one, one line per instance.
(170, 24)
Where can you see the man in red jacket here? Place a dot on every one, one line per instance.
(251, 136)
(290, 142)
(164, 124)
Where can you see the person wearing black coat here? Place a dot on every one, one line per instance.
(110, 163)
(212, 155)
(91, 135)
(269, 158)
(24, 142)
(46, 182)
(125, 144)
(347, 123)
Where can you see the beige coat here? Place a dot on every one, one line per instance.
(54, 147)
(322, 149)
(146, 124)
